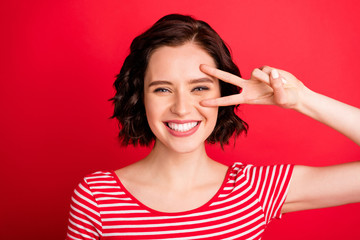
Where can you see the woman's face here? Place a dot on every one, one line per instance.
(173, 89)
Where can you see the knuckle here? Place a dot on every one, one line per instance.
(266, 69)
(226, 101)
(254, 71)
(276, 83)
(223, 76)
(213, 71)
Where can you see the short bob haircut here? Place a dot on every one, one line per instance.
(171, 30)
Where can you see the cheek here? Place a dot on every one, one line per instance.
(210, 114)
(213, 93)
(154, 109)
(149, 109)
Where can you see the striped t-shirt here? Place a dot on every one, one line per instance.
(250, 196)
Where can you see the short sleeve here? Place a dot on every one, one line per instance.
(270, 184)
(84, 217)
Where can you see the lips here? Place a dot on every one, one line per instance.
(182, 128)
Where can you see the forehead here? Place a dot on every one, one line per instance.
(180, 62)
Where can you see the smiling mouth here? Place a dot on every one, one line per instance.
(182, 127)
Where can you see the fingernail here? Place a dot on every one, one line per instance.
(274, 73)
(283, 80)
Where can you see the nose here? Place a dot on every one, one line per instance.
(181, 105)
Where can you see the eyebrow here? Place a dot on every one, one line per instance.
(160, 82)
(192, 81)
(201, 80)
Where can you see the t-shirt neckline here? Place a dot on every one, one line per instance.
(198, 209)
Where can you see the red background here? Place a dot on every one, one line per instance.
(58, 62)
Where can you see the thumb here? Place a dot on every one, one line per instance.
(277, 84)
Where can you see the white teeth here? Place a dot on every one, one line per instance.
(182, 127)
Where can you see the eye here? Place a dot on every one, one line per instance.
(200, 89)
(161, 90)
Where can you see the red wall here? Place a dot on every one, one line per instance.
(58, 62)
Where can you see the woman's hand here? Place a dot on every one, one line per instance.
(266, 86)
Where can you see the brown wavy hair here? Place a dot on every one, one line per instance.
(171, 30)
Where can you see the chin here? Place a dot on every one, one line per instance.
(184, 147)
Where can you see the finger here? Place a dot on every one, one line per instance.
(266, 69)
(222, 75)
(261, 76)
(223, 101)
(276, 83)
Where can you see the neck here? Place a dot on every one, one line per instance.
(177, 169)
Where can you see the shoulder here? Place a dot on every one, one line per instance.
(97, 185)
(98, 176)
(95, 180)
(239, 169)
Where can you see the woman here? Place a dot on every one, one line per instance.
(178, 88)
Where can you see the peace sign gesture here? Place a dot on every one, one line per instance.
(266, 86)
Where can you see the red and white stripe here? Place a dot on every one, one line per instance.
(249, 198)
